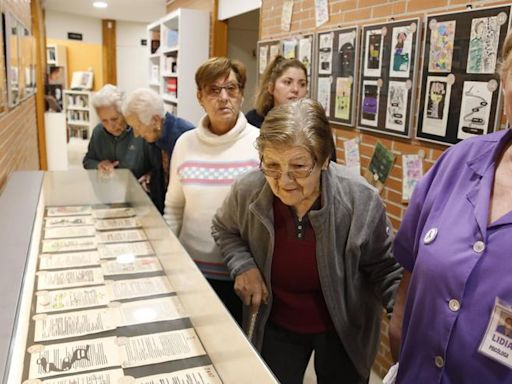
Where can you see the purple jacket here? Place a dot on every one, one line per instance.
(460, 263)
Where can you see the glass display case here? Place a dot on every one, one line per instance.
(97, 289)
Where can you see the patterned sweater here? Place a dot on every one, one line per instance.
(203, 167)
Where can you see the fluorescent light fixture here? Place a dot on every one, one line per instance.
(100, 4)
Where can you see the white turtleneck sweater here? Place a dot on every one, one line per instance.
(203, 167)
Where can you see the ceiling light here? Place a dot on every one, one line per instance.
(100, 4)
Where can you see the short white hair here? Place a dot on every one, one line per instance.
(108, 96)
(144, 103)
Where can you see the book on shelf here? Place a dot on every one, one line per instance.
(172, 38)
(155, 41)
(170, 64)
(171, 85)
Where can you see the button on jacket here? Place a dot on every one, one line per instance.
(456, 276)
(357, 271)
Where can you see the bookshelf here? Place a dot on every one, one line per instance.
(81, 116)
(178, 45)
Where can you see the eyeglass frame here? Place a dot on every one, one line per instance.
(288, 172)
(219, 88)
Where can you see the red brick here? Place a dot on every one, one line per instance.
(417, 5)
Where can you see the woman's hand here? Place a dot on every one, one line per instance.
(144, 181)
(107, 166)
(251, 288)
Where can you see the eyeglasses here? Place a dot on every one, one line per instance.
(232, 89)
(295, 173)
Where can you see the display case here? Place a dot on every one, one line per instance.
(96, 288)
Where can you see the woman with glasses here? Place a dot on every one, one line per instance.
(309, 246)
(204, 164)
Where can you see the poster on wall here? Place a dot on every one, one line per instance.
(336, 73)
(373, 52)
(475, 108)
(388, 76)
(266, 51)
(460, 95)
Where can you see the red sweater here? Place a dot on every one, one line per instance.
(298, 302)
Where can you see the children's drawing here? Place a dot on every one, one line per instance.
(483, 45)
(437, 103)
(373, 50)
(325, 54)
(370, 103)
(343, 93)
(324, 93)
(401, 54)
(442, 35)
(396, 111)
(346, 50)
(475, 109)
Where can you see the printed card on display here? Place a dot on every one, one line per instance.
(69, 210)
(69, 278)
(121, 236)
(133, 288)
(125, 265)
(68, 299)
(147, 311)
(110, 251)
(199, 375)
(68, 221)
(68, 260)
(68, 245)
(65, 232)
(73, 357)
(73, 324)
(113, 213)
(110, 376)
(123, 223)
(160, 347)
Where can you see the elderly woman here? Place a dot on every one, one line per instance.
(205, 162)
(455, 241)
(309, 246)
(283, 81)
(112, 143)
(144, 111)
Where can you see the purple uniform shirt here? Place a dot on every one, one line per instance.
(460, 264)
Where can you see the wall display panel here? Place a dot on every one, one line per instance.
(12, 58)
(460, 95)
(336, 73)
(3, 85)
(387, 80)
(107, 294)
(298, 47)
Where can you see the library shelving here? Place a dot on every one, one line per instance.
(80, 114)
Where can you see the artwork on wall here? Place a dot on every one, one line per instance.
(11, 59)
(336, 73)
(387, 82)
(300, 47)
(460, 94)
(3, 85)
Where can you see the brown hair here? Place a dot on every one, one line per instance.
(215, 67)
(505, 64)
(264, 100)
(300, 123)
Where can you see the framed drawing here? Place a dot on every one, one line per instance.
(3, 85)
(12, 58)
(387, 80)
(82, 81)
(460, 90)
(336, 74)
(266, 52)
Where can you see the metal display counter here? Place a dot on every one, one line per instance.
(26, 240)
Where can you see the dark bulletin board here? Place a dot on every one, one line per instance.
(298, 47)
(387, 80)
(336, 73)
(460, 91)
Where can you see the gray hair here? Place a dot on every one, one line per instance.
(108, 96)
(144, 103)
(301, 123)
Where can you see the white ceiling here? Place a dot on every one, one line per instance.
(128, 10)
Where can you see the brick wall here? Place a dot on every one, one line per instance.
(18, 130)
(360, 12)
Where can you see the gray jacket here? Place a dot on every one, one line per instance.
(353, 239)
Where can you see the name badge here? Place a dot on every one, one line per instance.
(497, 341)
